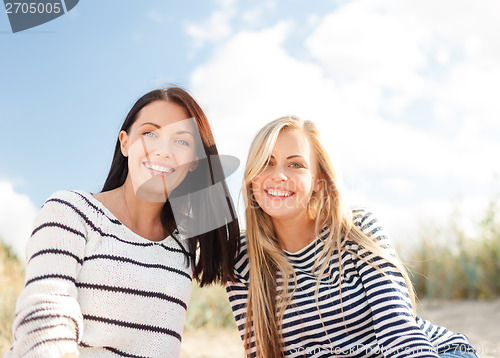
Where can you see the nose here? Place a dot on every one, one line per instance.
(163, 148)
(278, 174)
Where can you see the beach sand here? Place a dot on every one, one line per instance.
(479, 320)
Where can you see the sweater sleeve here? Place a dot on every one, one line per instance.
(396, 329)
(48, 321)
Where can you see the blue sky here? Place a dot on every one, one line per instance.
(405, 94)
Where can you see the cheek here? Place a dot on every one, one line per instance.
(185, 156)
(305, 185)
(257, 190)
(138, 149)
(257, 185)
(257, 199)
(191, 157)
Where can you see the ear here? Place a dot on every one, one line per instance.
(194, 164)
(318, 185)
(123, 138)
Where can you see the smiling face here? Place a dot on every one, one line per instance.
(161, 150)
(287, 181)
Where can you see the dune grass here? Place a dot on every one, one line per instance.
(209, 308)
(11, 283)
(462, 267)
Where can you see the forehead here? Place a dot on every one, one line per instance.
(293, 142)
(162, 113)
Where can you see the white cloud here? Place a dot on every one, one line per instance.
(399, 186)
(226, 3)
(362, 42)
(216, 28)
(252, 80)
(472, 89)
(156, 16)
(252, 17)
(17, 213)
(377, 46)
(313, 19)
(393, 44)
(373, 60)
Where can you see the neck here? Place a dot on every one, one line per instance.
(294, 233)
(144, 217)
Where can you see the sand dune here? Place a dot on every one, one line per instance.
(479, 320)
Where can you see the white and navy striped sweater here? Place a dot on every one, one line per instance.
(95, 287)
(377, 318)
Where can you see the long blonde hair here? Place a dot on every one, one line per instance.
(267, 261)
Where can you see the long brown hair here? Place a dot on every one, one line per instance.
(218, 247)
(264, 314)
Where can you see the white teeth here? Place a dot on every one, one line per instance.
(158, 168)
(275, 192)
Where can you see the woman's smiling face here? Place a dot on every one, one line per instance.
(285, 186)
(161, 149)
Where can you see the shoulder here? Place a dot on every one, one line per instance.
(369, 224)
(67, 198)
(71, 206)
(366, 221)
(77, 201)
(361, 215)
(62, 222)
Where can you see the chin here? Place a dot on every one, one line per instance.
(279, 215)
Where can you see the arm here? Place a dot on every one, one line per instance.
(237, 291)
(397, 332)
(48, 320)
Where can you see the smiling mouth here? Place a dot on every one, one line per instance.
(157, 169)
(279, 193)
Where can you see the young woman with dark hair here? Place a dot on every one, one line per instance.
(110, 274)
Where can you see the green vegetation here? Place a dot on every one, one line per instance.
(209, 308)
(464, 267)
(11, 282)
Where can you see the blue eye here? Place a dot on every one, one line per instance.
(149, 134)
(182, 142)
(296, 165)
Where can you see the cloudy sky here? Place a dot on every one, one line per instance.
(405, 94)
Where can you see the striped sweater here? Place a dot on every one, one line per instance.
(377, 318)
(95, 287)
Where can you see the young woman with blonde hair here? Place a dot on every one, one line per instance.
(313, 278)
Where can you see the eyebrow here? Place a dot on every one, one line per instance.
(185, 132)
(291, 156)
(151, 124)
(296, 156)
(159, 127)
